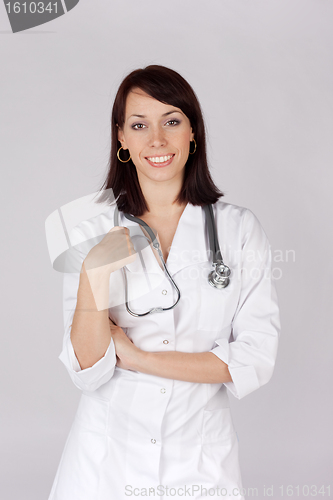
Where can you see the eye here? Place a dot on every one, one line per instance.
(138, 126)
(173, 122)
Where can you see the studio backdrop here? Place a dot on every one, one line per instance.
(262, 70)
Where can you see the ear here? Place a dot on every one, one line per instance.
(192, 134)
(121, 138)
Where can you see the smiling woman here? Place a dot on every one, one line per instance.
(161, 139)
(156, 114)
(154, 416)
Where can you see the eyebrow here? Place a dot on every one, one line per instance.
(165, 114)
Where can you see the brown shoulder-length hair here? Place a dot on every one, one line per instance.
(167, 86)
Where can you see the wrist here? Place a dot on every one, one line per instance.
(94, 283)
(140, 360)
(99, 272)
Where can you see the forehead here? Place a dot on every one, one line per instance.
(139, 102)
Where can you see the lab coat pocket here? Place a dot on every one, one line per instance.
(217, 425)
(92, 413)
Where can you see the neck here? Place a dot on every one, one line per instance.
(160, 198)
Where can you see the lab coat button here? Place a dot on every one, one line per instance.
(164, 292)
(153, 441)
(165, 341)
(163, 390)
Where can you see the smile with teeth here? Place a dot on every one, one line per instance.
(159, 159)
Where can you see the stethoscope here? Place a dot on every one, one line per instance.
(218, 278)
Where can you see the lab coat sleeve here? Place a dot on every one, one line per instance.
(93, 377)
(251, 354)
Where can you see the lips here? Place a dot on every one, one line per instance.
(160, 161)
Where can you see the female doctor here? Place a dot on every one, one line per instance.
(154, 417)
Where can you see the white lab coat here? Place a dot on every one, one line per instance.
(138, 435)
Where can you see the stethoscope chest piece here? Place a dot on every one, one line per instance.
(219, 277)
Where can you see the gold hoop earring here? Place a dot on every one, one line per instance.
(195, 147)
(118, 156)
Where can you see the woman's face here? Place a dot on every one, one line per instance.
(157, 136)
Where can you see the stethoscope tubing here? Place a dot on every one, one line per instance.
(218, 278)
(156, 247)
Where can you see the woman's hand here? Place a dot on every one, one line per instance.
(198, 367)
(113, 252)
(127, 353)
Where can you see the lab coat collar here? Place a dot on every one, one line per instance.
(189, 245)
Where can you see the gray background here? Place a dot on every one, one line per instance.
(262, 70)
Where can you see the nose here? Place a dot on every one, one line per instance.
(157, 137)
